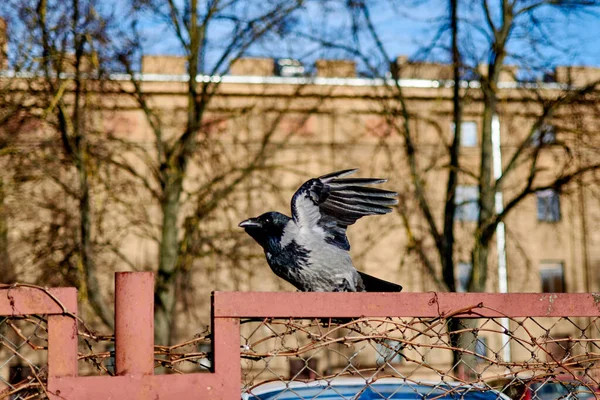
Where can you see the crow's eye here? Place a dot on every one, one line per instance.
(268, 220)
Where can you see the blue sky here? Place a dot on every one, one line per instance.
(578, 33)
(407, 29)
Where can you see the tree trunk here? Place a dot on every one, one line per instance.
(480, 266)
(88, 264)
(165, 293)
(165, 319)
(486, 195)
(7, 272)
(463, 337)
(447, 255)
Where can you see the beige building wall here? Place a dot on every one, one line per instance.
(316, 127)
(322, 127)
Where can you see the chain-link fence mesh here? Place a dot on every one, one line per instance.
(362, 358)
(394, 358)
(23, 356)
(193, 355)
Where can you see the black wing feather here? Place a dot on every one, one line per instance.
(373, 284)
(334, 203)
(365, 191)
(354, 181)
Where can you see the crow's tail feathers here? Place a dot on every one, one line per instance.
(373, 284)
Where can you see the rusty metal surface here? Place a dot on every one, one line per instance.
(144, 387)
(60, 307)
(426, 305)
(134, 323)
(62, 345)
(135, 332)
(134, 336)
(32, 300)
(226, 353)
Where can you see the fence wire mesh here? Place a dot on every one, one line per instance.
(362, 358)
(23, 356)
(23, 353)
(440, 358)
(97, 355)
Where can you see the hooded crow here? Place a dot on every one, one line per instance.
(310, 250)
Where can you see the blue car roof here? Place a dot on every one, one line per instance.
(360, 390)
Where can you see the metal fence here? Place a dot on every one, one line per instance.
(23, 359)
(306, 346)
(521, 346)
(394, 357)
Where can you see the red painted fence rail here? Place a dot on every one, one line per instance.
(134, 330)
(60, 304)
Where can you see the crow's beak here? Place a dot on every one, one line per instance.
(250, 223)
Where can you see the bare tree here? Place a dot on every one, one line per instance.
(60, 50)
(545, 104)
(515, 16)
(478, 39)
(85, 188)
(7, 270)
(194, 26)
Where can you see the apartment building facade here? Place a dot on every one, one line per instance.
(306, 125)
(334, 120)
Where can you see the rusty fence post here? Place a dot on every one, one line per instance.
(134, 356)
(134, 316)
(62, 346)
(134, 323)
(226, 355)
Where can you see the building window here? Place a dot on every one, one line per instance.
(462, 276)
(468, 133)
(389, 351)
(544, 135)
(553, 277)
(466, 199)
(303, 369)
(548, 205)
(559, 348)
(481, 347)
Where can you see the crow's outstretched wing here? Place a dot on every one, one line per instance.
(332, 203)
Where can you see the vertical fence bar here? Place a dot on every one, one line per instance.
(226, 352)
(134, 323)
(226, 356)
(62, 339)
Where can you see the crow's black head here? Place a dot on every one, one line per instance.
(266, 229)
